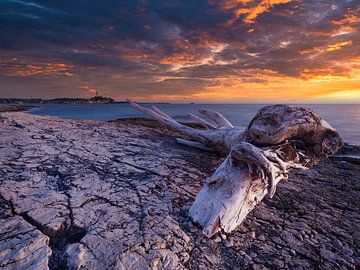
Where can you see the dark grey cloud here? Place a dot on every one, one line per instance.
(135, 43)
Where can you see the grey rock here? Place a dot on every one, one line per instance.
(253, 254)
(22, 246)
(229, 242)
(217, 239)
(328, 255)
(120, 193)
(75, 256)
(211, 258)
(337, 244)
(300, 237)
(348, 251)
(259, 267)
(348, 258)
(278, 263)
(248, 258)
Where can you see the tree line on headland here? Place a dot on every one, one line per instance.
(96, 99)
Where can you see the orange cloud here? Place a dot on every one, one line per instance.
(14, 67)
(338, 46)
(313, 52)
(179, 59)
(351, 17)
(250, 9)
(89, 89)
(136, 53)
(347, 24)
(189, 54)
(346, 69)
(338, 82)
(282, 89)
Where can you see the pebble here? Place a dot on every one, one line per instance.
(211, 258)
(258, 267)
(293, 252)
(321, 239)
(278, 263)
(248, 258)
(192, 229)
(299, 236)
(253, 254)
(348, 251)
(184, 257)
(337, 244)
(229, 243)
(252, 234)
(258, 260)
(348, 258)
(328, 255)
(217, 239)
(261, 237)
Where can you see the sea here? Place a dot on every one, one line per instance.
(344, 117)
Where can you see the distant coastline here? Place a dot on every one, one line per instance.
(12, 108)
(92, 100)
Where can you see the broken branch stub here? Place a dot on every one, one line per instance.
(278, 140)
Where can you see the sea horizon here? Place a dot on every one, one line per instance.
(181, 102)
(343, 117)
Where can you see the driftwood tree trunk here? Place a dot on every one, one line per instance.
(278, 140)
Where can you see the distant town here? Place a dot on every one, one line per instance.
(95, 100)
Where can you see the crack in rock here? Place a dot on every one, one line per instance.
(97, 195)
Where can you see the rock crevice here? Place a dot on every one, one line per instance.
(96, 195)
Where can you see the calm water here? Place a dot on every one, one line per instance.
(345, 118)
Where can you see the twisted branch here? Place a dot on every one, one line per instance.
(278, 140)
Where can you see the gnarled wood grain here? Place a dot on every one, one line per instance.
(278, 140)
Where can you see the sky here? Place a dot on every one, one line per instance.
(209, 51)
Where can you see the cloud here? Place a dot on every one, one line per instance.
(14, 67)
(248, 10)
(171, 49)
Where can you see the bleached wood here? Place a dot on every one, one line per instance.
(197, 145)
(168, 121)
(217, 117)
(201, 121)
(278, 140)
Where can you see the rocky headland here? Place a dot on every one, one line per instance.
(92, 100)
(116, 195)
(13, 108)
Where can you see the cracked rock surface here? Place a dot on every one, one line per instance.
(115, 195)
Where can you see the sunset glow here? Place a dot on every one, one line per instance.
(183, 51)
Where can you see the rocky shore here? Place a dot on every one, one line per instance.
(115, 195)
(13, 108)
